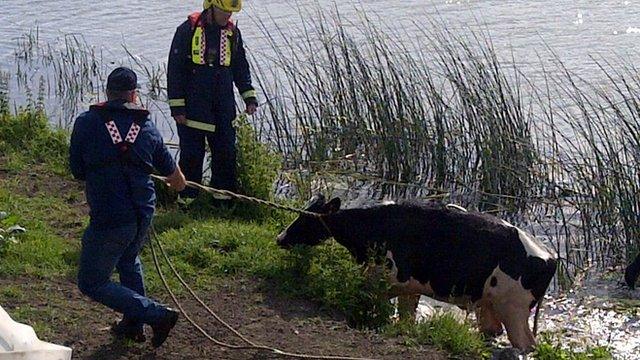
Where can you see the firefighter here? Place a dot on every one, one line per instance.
(206, 59)
(114, 147)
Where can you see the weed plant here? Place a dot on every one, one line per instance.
(444, 331)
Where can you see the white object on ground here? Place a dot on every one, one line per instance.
(19, 342)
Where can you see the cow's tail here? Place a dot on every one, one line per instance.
(537, 315)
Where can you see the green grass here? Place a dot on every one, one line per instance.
(37, 317)
(26, 139)
(550, 348)
(205, 243)
(207, 250)
(258, 165)
(444, 331)
(39, 251)
(11, 293)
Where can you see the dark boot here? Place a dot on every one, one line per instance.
(632, 272)
(130, 330)
(162, 328)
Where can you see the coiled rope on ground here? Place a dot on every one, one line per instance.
(250, 345)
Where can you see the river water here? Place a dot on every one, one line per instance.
(529, 33)
(576, 31)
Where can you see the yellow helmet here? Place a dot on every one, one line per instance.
(224, 5)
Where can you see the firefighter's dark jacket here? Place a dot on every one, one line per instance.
(118, 193)
(204, 92)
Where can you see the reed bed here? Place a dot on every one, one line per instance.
(446, 118)
(74, 72)
(386, 112)
(71, 69)
(4, 92)
(596, 157)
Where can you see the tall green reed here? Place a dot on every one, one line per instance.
(447, 117)
(452, 119)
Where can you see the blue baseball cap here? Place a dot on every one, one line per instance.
(122, 79)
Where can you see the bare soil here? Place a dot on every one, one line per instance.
(266, 318)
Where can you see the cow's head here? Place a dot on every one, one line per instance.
(306, 229)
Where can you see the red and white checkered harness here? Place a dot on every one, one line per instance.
(114, 133)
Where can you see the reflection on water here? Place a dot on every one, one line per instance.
(519, 30)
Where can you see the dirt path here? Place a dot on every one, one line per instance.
(292, 325)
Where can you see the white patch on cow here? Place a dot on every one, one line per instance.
(456, 207)
(388, 202)
(531, 245)
(511, 301)
(506, 289)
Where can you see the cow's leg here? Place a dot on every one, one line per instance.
(407, 305)
(516, 320)
(632, 272)
(511, 304)
(488, 320)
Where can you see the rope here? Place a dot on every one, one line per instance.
(179, 305)
(251, 345)
(226, 194)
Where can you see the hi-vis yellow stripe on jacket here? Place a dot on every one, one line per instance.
(203, 69)
(225, 46)
(199, 42)
(198, 46)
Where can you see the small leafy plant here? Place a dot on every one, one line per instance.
(550, 348)
(9, 230)
(445, 332)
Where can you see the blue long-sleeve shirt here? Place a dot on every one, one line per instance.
(118, 193)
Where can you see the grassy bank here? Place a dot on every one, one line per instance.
(206, 245)
(204, 242)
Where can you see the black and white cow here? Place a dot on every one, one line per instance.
(470, 259)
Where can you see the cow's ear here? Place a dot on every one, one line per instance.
(315, 203)
(332, 206)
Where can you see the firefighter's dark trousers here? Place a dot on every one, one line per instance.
(223, 156)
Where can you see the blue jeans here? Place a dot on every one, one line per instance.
(104, 250)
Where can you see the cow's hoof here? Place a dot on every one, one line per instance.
(492, 333)
(506, 354)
